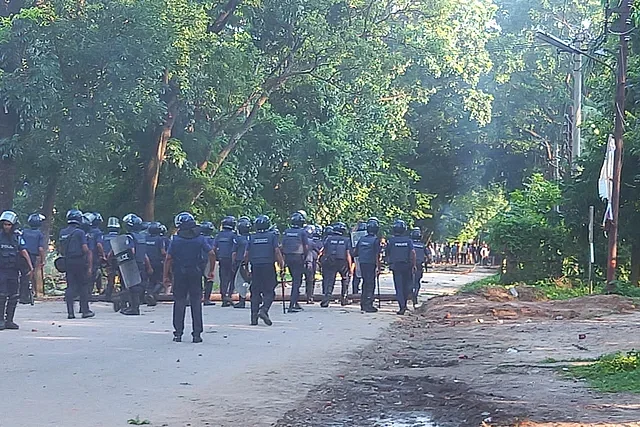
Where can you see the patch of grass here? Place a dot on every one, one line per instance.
(487, 282)
(612, 373)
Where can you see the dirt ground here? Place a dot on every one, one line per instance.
(479, 360)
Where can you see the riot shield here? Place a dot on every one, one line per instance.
(126, 260)
(355, 237)
(241, 282)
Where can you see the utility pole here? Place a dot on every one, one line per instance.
(576, 146)
(624, 24)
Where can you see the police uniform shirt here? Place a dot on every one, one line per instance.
(368, 249)
(420, 252)
(399, 249)
(72, 239)
(187, 253)
(262, 248)
(10, 247)
(240, 247)
(294, 240)
(224, 243)
(155, 245)
(334, 245)
(34, 240)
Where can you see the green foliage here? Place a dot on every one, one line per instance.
(612, 373)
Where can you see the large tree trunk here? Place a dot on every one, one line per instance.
(157, 154)
(635, 263)
(8, 127)
(48, 204)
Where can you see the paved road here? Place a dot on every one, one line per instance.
(109, 369)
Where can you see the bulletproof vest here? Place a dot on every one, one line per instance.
(187, 253)
(261, 248)
(420, 252)
(368, 249)
(336, 247)
(32, 239)
(224, 244)
(106, 242)
(399, 249)
(140, 244)
(241, 248)
(8, 251)
(71, 242)
(292, 241)
(154, 248)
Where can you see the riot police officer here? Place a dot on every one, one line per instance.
(368, 251)
(184, 260)
(419, 247)
(242, 241)
(311, 261)
(402, 261)
(295, 246)
(207, 229)
(78, 263)
(113, 231)
(336, 258)
(223, 247)
(36, 245)
(99, 257)
(361, 227)
(12, 247)
(156, 252)
(137, 242)
(262, 252)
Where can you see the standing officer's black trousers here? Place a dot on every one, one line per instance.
(368, 284)
(187, 284)
(329, 271)
(226, 277)
(403, 282)
(77, 284)
(295, 263)
(263, 287)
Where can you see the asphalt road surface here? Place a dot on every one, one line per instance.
(111, 369)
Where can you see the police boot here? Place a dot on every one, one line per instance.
(134, 305)
(241, 303)
(325, 302)
(196, 339)
(11, 311)
(265, 317)
(254, 319)
(70, 314)
(3, 305)
(227, 301)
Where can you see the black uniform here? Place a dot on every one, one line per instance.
(34, 241)
(72, 238)
(334, 261)
(155, 248)
(295, 244)
(420, 249)
(112, 264)
(399, 250)
(208, 284)
(186, 249)
(223, 245)
(262, 256)
(242, 242)
(368, 251)
(10, 247)
(311, 266)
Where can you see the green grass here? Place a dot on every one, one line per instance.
(487, 282)
(611, 373)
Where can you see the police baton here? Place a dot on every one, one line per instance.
(284, 308)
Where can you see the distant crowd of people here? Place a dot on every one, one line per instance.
(465, 253)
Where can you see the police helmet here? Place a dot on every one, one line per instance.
(317, 230)
(89, 218)
(310, 229)
(145, 225)
(9, 216)
(303, 213)
(399, 227)
(328, 231)
(229, 222)
(297, 219)
(154, 229)
(207, 228)
(163, 229)
(35, 220)
(274, 229)
(244, 225)
(113, 223)
(373, 226)
(362, 226)
(98, 221)
(74, 216)
(262, 223)
(416, 234)
(184, 221)
(340, 228)
(132, 220)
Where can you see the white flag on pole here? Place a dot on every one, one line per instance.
(605, 182)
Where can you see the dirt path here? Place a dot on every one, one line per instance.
(466, 361)
(106, 370)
